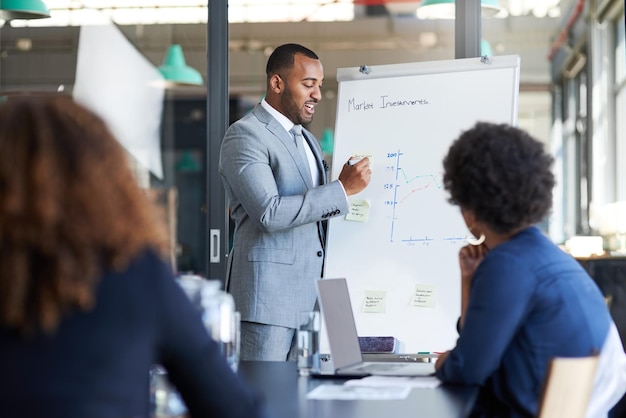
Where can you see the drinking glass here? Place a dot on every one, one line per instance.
(308, 342)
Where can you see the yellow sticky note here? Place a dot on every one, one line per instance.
(425, 296)
(359, 211)
(375, 301)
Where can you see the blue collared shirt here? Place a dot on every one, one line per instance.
(529, 302)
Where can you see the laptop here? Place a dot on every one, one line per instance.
(345, 351)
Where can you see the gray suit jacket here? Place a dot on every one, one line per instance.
(278, 243)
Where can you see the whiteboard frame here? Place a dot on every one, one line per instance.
(365, 72)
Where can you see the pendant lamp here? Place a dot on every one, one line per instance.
(176, 70)
(23, 9)
(445, 9)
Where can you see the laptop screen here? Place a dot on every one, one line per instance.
(336, 309)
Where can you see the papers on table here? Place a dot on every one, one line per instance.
(380, 388)
(349, 393)
(426, 382)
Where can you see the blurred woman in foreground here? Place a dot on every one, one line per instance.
(524, 300)
(87, 305)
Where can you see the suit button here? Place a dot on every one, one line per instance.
(319, 253)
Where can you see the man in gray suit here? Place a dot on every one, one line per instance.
(279, 199)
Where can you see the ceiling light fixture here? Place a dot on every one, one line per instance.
(445, 9)
(23, 9)
(176, 70)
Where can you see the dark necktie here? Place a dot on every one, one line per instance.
(300, 144)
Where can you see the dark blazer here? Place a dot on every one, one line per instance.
(278, 246)
(97, 364)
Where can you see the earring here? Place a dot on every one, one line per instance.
(476, 241)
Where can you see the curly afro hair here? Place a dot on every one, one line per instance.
(501, 174)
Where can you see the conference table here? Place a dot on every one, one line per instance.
(285, 394)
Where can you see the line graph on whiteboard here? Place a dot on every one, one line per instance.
(413, 200)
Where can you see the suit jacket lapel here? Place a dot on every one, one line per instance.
(287, 140)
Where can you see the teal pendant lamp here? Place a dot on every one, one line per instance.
(327, 143)
(188, 163)
(445, 9)
(175, 68)
(23, 9)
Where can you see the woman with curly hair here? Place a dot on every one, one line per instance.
(524, 300)
(87, 304)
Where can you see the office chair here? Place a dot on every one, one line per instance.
(567, 387)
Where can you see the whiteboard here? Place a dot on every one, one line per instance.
(401, 264)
